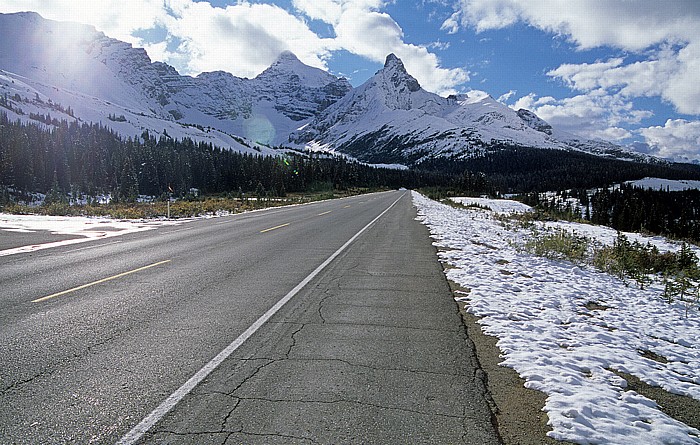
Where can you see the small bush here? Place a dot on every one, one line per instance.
(559, 245)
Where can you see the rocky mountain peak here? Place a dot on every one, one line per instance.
(395, 72)
(392, 60)
(533, 121)
(288, 68)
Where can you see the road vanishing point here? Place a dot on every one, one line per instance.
(326, 323)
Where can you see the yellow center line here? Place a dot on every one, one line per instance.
(114, 277)
(273, 228)
(324, 213)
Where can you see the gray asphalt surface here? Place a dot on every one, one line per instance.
(11, 240)
(371, 350)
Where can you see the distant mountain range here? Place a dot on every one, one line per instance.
(76, 73)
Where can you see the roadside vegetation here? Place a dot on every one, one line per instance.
(678, 273)
(180, 208)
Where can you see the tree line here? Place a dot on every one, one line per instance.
(636, 209)
(92, 159)
(515, 169)
(628, 208)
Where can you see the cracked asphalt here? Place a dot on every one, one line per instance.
(371, 350)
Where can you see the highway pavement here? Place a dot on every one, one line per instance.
(323, 323)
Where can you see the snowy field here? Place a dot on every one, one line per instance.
(500, 206)
(87, 228)
(666, 184)
(560, 343)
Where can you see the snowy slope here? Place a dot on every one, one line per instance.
(673, 185)
(77, 67)
(391, 118)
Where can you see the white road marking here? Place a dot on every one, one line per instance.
(157, 414)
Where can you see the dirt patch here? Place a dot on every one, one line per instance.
(682, 408)
(595, 306)
(488, 246)
(518, 410)
(653, 356)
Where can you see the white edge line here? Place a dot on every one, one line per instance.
(157, 414)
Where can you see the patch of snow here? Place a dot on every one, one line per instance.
(538, 310)
(666, 184)
(88, 228)
(500, 206)
(389, 166)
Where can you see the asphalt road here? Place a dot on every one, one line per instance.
(368, 348)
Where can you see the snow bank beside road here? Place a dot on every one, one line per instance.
(88, 228)
(564, 346)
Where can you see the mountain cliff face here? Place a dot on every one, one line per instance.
(48, 67)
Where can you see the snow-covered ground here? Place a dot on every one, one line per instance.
(666, 184)
(500, 206)
(87, 228)
(563, 346)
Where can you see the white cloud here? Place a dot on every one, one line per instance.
(503, 98)
(671, 72)
(439, 45)
(633, 25)
(116, 18)
(362, 29)
(673, 76)
(243, 39)
(595, 114)
(677, 139)
(612, 134)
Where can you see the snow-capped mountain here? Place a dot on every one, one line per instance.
(391, 118)
(44, 64)
(74, 72)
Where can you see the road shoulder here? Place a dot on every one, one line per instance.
(518, 412)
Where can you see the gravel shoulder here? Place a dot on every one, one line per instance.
(517, 410)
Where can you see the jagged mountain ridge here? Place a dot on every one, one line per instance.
(388, 119)
(391, 118)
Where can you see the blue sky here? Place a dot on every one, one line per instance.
(622, 70)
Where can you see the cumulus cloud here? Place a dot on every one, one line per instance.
(595, 114)
(361, 28)
(612, 134)
(663, 35)
(671, 72)
(588, 23)
(244, 38)
(503, 98)
(673, 76)
(677, 139)
(116, 18)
